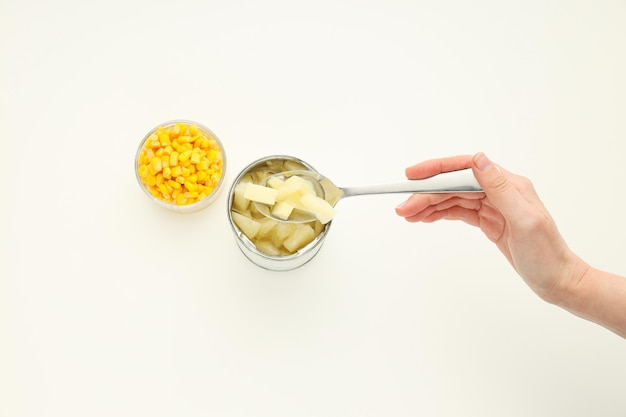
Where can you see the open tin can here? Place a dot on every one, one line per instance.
(254, 249)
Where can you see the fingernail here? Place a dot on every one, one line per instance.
(399, 206)
(482, 162)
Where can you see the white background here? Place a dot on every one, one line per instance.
(112, 306)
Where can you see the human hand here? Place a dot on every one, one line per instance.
(510, 213)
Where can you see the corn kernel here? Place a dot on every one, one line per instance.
(201, 176)
(164, 139)
(203, 165)
(184, 155)
(155, 192)
(191, 186)
(167, 173)
(193, 130)
(174, 159)
(174, 184)
(177, 171)
(195, 157)
(143, 170)
(150, 180)
(163, 189)
(156, 164)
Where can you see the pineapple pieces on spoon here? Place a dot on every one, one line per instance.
(293, 193)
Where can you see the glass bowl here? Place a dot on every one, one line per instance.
(180, 165)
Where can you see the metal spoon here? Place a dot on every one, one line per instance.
(462, 181)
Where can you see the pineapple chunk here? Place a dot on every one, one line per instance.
(267, 248)
(240, 203)
(260, 194)
(267, 225)
(294, 186)
(293, 166)
(282, 210)
(332, 192)
(303, 235)
(248, 226)
(319, 207)
(275, 182)
(281, 232)
(318, 227)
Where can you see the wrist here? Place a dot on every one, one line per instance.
(570, 286)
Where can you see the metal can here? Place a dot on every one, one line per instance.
(274, 164)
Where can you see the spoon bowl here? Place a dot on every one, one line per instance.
(297, 216)
(462, 181)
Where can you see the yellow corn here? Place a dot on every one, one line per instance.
(155, 192)
(174, 159)
(195, 157)
(149, 180)
(180, 164)
(177, 171)
(201, 175)
(163, 189)
(143, 170)
(203, 165)
(190, 186)
(185, 155)
(164, 139)
(156, 164)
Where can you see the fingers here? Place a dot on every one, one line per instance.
(469, 216)
(432, 167)
(417, 203)
(499, 187)
(420, 207)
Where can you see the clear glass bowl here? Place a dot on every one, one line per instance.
(197, 205)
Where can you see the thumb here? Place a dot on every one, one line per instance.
(498, 187)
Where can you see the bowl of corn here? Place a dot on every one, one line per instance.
(180, 165)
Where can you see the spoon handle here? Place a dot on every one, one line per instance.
(447, 182)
